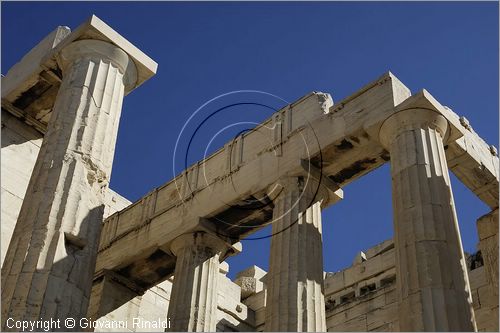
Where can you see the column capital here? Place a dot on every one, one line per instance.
(199, 239)
(411, 119)
(99, 50)
(417, 111)
(307, 187)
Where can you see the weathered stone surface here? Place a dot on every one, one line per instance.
(379, 306)
(24, 74)
(48, 268)
(57, 233)
(295, 280)
(249, 286)
(369, 289)
(434, 292)
(360, 257)
(473, 161)
(20, 146)
(193, 306)
(250, 281)
(237, 316)
(487, 228)
(485, 300)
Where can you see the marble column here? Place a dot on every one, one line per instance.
(193, 302)
(48, 269)
(295, 295)
(432, 281)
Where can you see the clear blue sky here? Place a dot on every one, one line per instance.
(288, 49)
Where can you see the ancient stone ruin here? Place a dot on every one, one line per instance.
(73, 248)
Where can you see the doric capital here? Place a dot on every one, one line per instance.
(199, 240)
(98, 50)
(307, 188)
(411, 119)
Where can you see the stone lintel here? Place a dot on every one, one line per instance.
(24, 74)
(234, 247)
(335, 193)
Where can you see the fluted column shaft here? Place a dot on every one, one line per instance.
(50, 261)
(193, 302)
(433, 287)
(295, 295)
